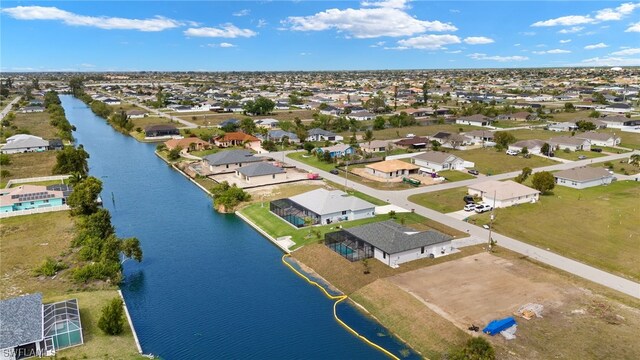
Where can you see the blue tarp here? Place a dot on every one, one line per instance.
(496, 326)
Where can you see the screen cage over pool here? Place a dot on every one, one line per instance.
(62, 324)
(349, 246)
(293, 213)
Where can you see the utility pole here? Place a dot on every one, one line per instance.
(491, 217)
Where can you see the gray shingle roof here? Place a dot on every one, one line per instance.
(322, 201)
(30, 142)
(260, 169)
(231, 157)
(20, 320)
(393, 238)
(318, 131)
(583, 174)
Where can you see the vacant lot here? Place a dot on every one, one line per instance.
(537, 133)
(489, 161)
(418, 130)
(29, 165)
(598, 226)
(489, 287)
(574, 155)
(311, 160)
(37, 124)
(453, 175)
(444, 201)
(211, 118)
(148, 121)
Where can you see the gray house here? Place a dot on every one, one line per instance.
(261, 172)
(322, 206)
(317, 134)
(389, 242)
(23, 143)
(583, 177)
(226, 161)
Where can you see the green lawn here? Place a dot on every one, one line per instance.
(275, 226)
(204, 152)
(358, 194)
(42, 183)
(311, 160)
(418, 130)
(29, 165)
(149, 120)
(489, 161)
(598, 226)
(452, 175)
(629, 140)
(505, 124)
(444, 201)
(573, 155)
(537, 133)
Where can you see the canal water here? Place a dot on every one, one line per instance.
(209, 286)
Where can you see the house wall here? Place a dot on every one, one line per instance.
(585, 147)
(226, 167)
(263, 178)
(583, 184)
(379, 255)
(435, 167)
(436, 250)
(27, 205)
(349, 215)
(488, 199)
(610, 142)
(24, 150)
(473, 123)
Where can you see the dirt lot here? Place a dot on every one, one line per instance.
(574, 322)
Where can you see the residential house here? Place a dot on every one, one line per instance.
(600, 139)
(23, 143)
(55, 144)
(420, 112)
(32, 109)
(237, 139)
(331, 110)
(502, 194)
(317, 134)
(111, 101)
(321, 206)
(416, 142)
(261, 172)
(619, 108)
(374, 146)
(161, 130)
(28, 197)
(449, 140)
(190, 143)
(519, 116)
(229, 123)
(228, 160)
(619, 122)
(583, 177)
(279, 135)
(337, 151)
(480, 136)
(533, 146)
(361, 116)
(390, 169)
(267, 123)
(389, 242)
(33, 329)
(475, 120)
(137, 114)
(571, 143)
(563, 126)
(434, 161)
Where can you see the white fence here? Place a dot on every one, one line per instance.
(36, 179)
(34, 211)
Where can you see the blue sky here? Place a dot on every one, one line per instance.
(315, 35)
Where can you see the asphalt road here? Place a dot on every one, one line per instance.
(400, 198)
(7, 108)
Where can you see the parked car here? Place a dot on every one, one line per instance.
(334, 171)
(582, 157)
(470, 207)
(411, 135)
(513, 152)
(468, 199)
(598, 150)
(480, 208)
(473, 172)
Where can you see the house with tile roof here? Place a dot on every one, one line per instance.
(236, 138)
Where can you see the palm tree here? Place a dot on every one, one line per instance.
(75, 178)
(635, 160)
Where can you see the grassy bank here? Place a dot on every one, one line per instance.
(28, 165)
(444, 201)
(311, 160)
(489, 161)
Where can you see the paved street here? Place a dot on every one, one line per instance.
(400, 198)
(7, 108)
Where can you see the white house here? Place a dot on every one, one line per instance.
(261, 172)
(391, 169)
(583, 177)
(375, 146)
(600, 139)
(533, 146)
(361, 116)
(563, 126)
(317, 134)
(23, 143)
(229, 160)
(267, 123)
(389, 242)
(502, 194)
(619, 122)
(619, 108)
(571, 143)
(475, 120)
(434, 161)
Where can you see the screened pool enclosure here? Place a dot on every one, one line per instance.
(293, 213)
(61, 324)
(348, 246)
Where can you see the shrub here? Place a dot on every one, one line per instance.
(476, 348)
(49, 267)
(112, 318)
(108, 271)
(4, 173)
(4, 159)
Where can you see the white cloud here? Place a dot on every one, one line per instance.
(454, 52)
(479, 56)
(243, 12)
(378, 44)
(553, 51)
(528, 33)
(596, 46)
(86, 65)
(627, 51)
(429, 42)
(518, 44)
(224, 31)
(262, 23)
(454, 11)
(617, 13)
(565, 41)
(478, 40)
(157, 23)
(571, 30)
(226, 45)
(611, 61)
(386, 18)
(305, 53)
(565, 21)
(608, 14)
(633, 27)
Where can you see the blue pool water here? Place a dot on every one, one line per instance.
(210, 286)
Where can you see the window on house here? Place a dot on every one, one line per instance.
(422, 250)
(273, 176)
(384, 255)
(344, 212)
